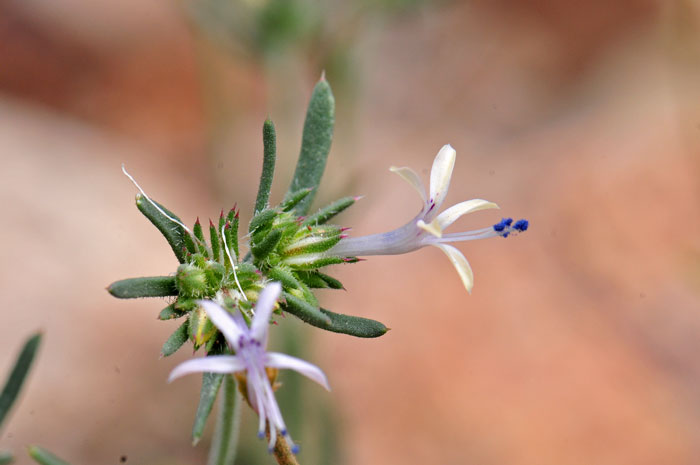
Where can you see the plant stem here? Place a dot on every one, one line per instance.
(223, 446)
(283, 454)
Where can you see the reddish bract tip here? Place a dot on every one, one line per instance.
(197, 222)
(211, 223)
(228, 225)
(222, 213)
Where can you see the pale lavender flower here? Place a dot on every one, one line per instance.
(428, 226)
(251, 356)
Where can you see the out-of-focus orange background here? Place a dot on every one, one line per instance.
(580, 342)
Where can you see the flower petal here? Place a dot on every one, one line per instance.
(433, 227)
(460, 263)
(441, 173)
(263, 309)
(413, 179)
(223, 320)
(211, 364)
(278, 360)
(451, 215)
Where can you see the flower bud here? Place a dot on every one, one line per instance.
(191, 281)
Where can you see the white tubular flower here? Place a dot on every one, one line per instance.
(251, 356)
(428, 226)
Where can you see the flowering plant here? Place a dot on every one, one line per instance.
(228, 288)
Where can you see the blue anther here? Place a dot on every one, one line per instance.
(505, 234)
(508, 221)
(270, 450)
(521, 225)
(261, 434)
(295, 449)
(283, 432)
(498, 227)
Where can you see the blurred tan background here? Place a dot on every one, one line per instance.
(580, 342)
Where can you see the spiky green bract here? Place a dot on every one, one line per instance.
(315, 144)
(268, 170)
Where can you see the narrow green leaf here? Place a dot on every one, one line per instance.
(211, 382)
(315, 143)
(268, 169)
(44, 457)
(6, 458)
(305, 311)
(329, 211)
(18, 375)
(151, 286)
(176, 340)
(173, 232)
(353, 325)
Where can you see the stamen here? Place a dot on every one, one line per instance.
(295, 449)
(521, 225)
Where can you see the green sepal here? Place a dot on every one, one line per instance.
(215, 244)
(315, 144)
(268, 170)
(173, 232)
(201, 328)
(231, 231)
(18, 375)
(353, 325)
(312, 245)
(151, 286)
(44, 457)
(214, 272)
(305, 311)
(201, 243)
(263, 248)
(176, 340)
(184, 305)
(293, 199)
(211, 382)
(292, 285)
(261, 220)
(331, 281)
(313, 261)
(311, 279)
(6, 458)
(318, 280)
(329, 211)
(170, 312)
